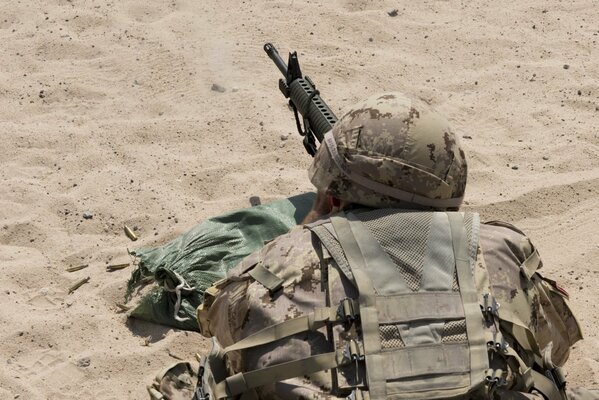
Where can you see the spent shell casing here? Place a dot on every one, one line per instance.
(78, 284)
(115, 267)
(77, 268)
(123, 307)
(130, 234)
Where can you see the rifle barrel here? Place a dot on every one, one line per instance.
(276, 58)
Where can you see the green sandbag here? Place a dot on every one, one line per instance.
(204, 255)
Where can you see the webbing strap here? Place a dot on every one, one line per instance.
(355, 249)
(531, 378)
(545, 386)
(272, 333)
(531, 264)
(418, 306)
(479, 361)
(519, 331)
(448, 358)
(243, 381)
(439, 263)
(266, 278)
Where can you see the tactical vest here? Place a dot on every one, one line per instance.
(403, 315)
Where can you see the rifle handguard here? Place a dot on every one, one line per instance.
(305, 99)
(313, 108)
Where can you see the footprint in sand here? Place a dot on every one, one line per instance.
(45, 297)
(50, 367)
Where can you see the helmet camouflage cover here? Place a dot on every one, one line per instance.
(392, 151)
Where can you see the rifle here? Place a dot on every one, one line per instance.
(304, 98)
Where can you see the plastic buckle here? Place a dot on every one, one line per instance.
(499, 346)
(347, 312)
(489, 307)
(353, 351)
(494, 379)
(200, 394)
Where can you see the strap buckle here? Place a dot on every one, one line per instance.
(498, 344)
(494, 379)
(489, 307)
(353, 351)
(347, 312)
(199, 393)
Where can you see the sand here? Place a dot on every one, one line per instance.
(107, 108)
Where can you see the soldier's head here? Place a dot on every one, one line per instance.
(392, 151)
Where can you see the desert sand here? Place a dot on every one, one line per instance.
(107, 108)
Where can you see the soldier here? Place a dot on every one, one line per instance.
(387, 292)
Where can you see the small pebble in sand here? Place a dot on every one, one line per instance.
(566, 66)
(392, 13)
(217, 88)
(545, 158)
(83, 362)
(514, 167)
(88, 215)
(467, 137)
(284, 136)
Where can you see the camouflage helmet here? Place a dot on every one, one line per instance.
(392, 151)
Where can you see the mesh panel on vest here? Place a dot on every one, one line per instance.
(411, 262)
(390, 337)
(454, 331)
(384, 224)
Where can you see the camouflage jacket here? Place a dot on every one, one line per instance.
(242, 306)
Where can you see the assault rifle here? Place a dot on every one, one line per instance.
(304, 98)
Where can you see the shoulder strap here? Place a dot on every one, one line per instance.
(244, 381)
(479, 360)
(358, 253)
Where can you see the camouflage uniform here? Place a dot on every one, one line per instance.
(386, 152)
(244, 306)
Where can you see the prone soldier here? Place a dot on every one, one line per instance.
(388, 291)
